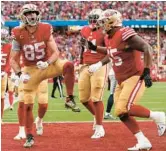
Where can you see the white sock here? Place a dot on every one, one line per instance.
(39, 121)
(140, 136)
(21, 130)
(154, 115)
(99, 126)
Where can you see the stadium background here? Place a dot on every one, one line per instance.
(147, 18)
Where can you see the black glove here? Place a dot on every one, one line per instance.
(146, 77)
(91, 46)
(83, 41)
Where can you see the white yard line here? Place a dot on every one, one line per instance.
(78, 122)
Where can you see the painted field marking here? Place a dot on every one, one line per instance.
(79, 122)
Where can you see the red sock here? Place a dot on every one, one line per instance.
(42, 110)
(68, 73)
(20, 113)
(2, 106)
(132, 125)
(28, 118)
(10, 98)
(139, 111)
(90, 106)
(99, 109)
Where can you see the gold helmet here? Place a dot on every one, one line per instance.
(109, 19)
(93, 17)
(4, 36)
(29, 8)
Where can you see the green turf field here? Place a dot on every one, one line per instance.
(154, 98)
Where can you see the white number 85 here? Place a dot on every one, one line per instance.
(36, 51)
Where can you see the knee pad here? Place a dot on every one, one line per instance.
(124, 116)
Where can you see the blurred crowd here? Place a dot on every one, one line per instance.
(51, 10)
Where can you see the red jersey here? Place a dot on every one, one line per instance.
(5, 60)
(33, 47)
(125, 63)
(97, 38)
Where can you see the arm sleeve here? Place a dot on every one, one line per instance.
(49, 31)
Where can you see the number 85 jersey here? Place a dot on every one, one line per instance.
(32, 46)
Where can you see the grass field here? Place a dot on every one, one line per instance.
(154, 98)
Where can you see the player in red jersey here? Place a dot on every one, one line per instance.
(91, 86)
(5, 67)
(124, 47)
(33, 40)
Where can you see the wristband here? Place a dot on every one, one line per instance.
(19, 73)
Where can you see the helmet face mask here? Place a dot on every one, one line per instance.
(30, 15)
(4, 36)
(110, 19)
(93, 18)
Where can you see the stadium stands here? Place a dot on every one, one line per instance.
(78, 10)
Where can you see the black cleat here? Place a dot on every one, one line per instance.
(70, 103)
(29, 141)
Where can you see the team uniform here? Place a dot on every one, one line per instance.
(91, 86)
(33, 48)
(124, 47)
(129, 88)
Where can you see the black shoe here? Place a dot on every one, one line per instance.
(29, 141)
(70, 103)
(53, 96)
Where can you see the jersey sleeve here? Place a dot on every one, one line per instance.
(48, 31)
(127, 33)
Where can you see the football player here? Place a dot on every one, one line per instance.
(5, 66)
(42, 97)
(124, 47)
(91, 86)
(34, 41)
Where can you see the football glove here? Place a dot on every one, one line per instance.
(3, 73)
(146, 77)
(94, 67)
(15, 79)
(25, 77)
(91, 46)
(83, 41)
(42, 64)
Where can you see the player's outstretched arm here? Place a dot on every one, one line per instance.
(94, 67)
(93, 47)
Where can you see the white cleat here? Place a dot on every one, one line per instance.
(39, 126)
(161, 123)
(141, 146)
(99, 132)
(19, 137)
